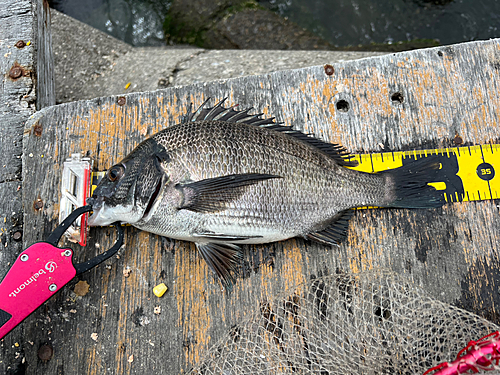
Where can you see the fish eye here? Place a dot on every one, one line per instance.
(115, 172)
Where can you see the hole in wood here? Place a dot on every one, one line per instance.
(342, 105)
(397, 97)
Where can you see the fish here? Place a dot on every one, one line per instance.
(222, 178)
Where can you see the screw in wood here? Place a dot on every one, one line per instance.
(38, 204)
(45, 352)
(15, 72)
(17, 235)
(37, 130)
(329, 70)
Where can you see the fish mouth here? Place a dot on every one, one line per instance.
(97, 209)
(93, 218)
(152, 199)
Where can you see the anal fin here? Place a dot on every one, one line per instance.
(334, 233)
(222, 259)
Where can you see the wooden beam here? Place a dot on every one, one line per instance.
(25, 85)
(452, 252)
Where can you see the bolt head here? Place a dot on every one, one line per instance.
(38, 205)
(15, 72)
(458, 140)
(45, 352)
(24, 257)
(37, 130)
(52, 287)
(17, 235)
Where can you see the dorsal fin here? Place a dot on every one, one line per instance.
(221, 113)
(338, 152)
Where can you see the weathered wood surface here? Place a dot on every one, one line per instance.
(452, 251)
(24, 45)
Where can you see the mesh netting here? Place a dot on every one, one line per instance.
(368, 323)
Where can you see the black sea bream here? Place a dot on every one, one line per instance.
(224, 178)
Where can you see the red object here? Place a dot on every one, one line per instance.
(38, 273)
(84, 218)
(483, 354)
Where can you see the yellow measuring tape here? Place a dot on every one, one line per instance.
(466, 173)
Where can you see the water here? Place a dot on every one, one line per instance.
(137, 22)
(341, 22)
(353, 22)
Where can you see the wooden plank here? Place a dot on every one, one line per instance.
(23, 43)
(452, 252)
(45, 84)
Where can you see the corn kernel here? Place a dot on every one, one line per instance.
(127, 85)
(160, 290)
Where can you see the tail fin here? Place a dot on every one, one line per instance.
(409, 184)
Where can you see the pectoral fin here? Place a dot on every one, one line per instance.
(222, 259)
(214, 194)
(336, 232)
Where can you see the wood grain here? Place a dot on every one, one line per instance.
(22, 88)
(452, 252)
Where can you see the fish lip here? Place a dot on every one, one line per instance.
(94, 218)
(100, 217)
(97, 207)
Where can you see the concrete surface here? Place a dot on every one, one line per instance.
(90, 63)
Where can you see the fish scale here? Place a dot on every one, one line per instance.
(225, 178)
(202, 161)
